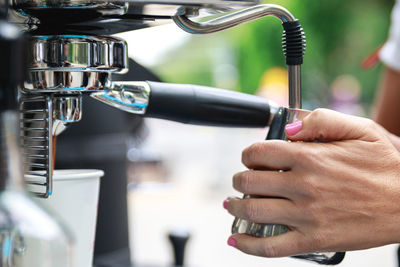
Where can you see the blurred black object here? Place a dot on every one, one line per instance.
(178, 241)
(398, 256)
(99, 141)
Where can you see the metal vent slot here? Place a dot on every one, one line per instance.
(37, 143)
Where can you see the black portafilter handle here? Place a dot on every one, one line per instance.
(201, 105)
(178, 241)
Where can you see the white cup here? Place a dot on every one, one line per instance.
(75, 200)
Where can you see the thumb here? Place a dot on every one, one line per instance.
(329, 125)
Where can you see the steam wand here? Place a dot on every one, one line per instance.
(293, 38)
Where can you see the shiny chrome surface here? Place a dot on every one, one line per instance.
(148, 8)
(233, 19)
(74, 63)
(88, 3)
(98, 17)
(242, 16)
(78, 53)
(189, 7)
(103, 7)
(203, 3)
(65, 82)
(132, 97)
(36, 124)
(67, 108)
(41, 118)
(295, 86)
(61, 68)
(294, 114)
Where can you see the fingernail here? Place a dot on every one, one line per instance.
(231, 242)
(225, 204)
(293, 128)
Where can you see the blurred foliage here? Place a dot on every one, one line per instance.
(340, 34)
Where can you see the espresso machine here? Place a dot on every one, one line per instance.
(72, 55)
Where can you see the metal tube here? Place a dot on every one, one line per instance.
(233, 19)
(242, 16)
(294, 86)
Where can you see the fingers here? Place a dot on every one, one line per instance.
(272, 154)
(264, 210)
(265, 183)
(288, 244)
(329, 125)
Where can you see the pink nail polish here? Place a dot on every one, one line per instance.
(231, 242)
(293, 128)
(225, 204)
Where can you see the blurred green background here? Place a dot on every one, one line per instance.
(340, 34)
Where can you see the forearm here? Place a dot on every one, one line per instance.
(387, 106)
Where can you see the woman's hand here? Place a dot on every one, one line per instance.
(339, 194)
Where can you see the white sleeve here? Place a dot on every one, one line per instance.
(390, 52)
